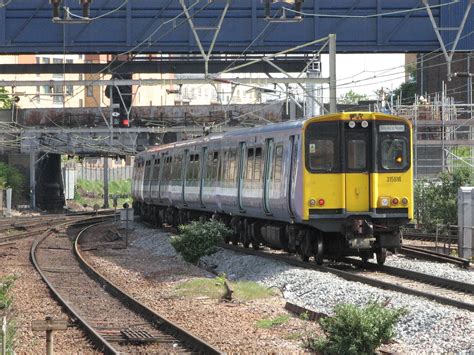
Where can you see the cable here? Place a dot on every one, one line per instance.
(369, 16)
(98, 17)
(4, 4)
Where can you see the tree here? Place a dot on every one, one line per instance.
(5, 99)
(436, 201)
(351, 97)
(407, 90)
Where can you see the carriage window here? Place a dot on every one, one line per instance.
(321, 154)
(232, 165)
(356, 154)
(250, 160)
(215, 165)
(257, 175)
(322, 147)
(278, 162)
(394, 153)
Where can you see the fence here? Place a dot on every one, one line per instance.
(84, 172)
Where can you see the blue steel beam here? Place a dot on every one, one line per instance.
(26, 27)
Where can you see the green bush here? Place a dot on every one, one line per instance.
(436, 200)
(198, 239)
(357, 330)
(11, 177)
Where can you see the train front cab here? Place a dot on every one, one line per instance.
(358, 178)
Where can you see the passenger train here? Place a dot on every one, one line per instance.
(324, 187)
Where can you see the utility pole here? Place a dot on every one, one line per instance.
(106, 182)
(32, 180)
(332, 74)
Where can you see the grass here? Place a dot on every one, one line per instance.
(269, 323)
(214, 288)
(6, 284)
(92, 192)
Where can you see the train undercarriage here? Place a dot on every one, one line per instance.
(358, 237)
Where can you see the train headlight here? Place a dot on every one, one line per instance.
(404, 201)
(312, 202)
(364, 124)
(321, 202)
(384, 201)
(352, 124)
(395, 201)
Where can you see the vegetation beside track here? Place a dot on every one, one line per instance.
(356, 330)
(272, 322)
(214, 288)
(11, 177)
(436, 200)
(6, 283)
(198, 239)
(92, 192)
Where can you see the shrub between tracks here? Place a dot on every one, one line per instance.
(357, 330)
(198, 239)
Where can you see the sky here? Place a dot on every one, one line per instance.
(365, 73)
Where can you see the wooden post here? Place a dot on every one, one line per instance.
(48, 325)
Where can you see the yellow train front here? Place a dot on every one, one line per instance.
(357, 183)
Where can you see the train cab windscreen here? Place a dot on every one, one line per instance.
(393, 147)
(326, 152)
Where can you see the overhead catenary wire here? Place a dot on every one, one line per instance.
(97, 17)
(389, 13)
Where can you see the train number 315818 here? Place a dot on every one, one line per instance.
(394, 179)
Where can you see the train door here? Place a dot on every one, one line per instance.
(202, 174)
(292, 158)
(240, 174)
(267, 174)
(357, 144)
(184, 169)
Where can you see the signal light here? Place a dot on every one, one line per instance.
(321, 202)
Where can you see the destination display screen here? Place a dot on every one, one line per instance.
(392, 128)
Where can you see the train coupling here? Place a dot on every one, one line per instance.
(360, 234)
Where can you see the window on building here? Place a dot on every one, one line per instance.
(90, 91)
(58, 96)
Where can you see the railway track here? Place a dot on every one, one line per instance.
(449, 292)
(427, 237)
(40, 225)
(113, 320)
(421, 253)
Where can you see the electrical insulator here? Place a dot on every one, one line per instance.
(85, 7)
(55, 4)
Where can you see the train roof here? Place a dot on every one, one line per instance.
(273, 127)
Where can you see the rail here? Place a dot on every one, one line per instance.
(350, 276)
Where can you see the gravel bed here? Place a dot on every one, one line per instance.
(444, 270)
(428, 327)
(33, 301)
(150, 270)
